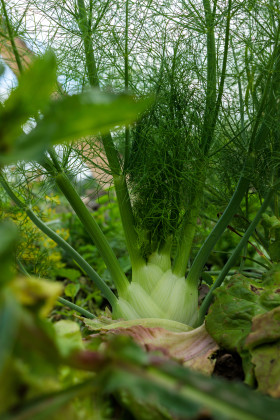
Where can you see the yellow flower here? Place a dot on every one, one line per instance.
(53, 199)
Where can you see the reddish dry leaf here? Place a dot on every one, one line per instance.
(193, 348)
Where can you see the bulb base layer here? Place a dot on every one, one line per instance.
(154, 293)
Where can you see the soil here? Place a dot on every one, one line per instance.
(228, 366)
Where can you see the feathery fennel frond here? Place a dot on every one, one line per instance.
(163, 166)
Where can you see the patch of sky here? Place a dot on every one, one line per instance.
(7, 82)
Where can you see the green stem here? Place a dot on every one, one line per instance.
(93, 230)
(55, 160)
(232, 260)
(76, 308)
(206, 249)
(102, 286)
(123, 201)
(76, 256)
(213, 105)
(63, 301)
(241, 102)
(11, 36)
(256, 139)
(128, 221)
(210, 119)
(89, 54)
(245, 251)
(22, 268)
(208, 127)
(186, 239)
(223, 75)
(268, 97)
(126, 64)
(126, 81)
(110, 150)
(90, 224)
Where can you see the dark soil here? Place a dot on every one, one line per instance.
(229, 366)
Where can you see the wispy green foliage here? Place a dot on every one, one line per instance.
(163, 167)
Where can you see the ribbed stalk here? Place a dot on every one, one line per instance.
(232, 260)
(123, 201)
(126, 81)
(223, 74)
(89, 222)
(110, 150)
(208, 124)
(268, 98)
(10, 32)
(186, 239)
(93, 230)
(210, 119)
(126, 64)
(206, 249)
(83, 23)
(257, 137)
(76, 308)
(75, 255)
(102, 286)
(127, 221)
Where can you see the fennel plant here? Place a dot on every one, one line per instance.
(162, 166)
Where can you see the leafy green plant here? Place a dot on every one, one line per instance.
(35, 253)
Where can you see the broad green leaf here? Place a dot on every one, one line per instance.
(71, 290)
(89, 113)
(30, 97)
(229, 318)
(68, 273)
(34, 88)
(270, 296)
(272, 221)
(237, 302)
(274, 250)
(264, 345)
(67, 118)
(266, 360)
(68, 337)
(265, 329)
(273, 224)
